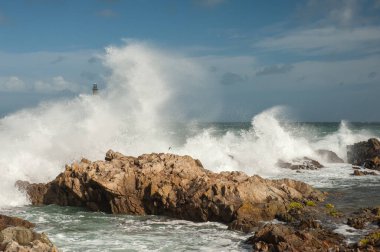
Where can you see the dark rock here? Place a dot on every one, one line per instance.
(370, 242)
(329, 156)
(365, 154)
(171, 185)
(304, 163)
(281, 238)
(365, 216)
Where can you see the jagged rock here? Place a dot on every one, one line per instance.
(171, 185)
(365, 154)
(329, 156)
(304, 163)
(16, 235)
(363, 173)
(370, 242)
(6, 221)
(364, 217)
(281, 238)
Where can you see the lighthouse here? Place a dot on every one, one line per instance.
(95, 89)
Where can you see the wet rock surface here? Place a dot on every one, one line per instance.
(308, 226)
(365, 154)
(280, 237)
(17, 235)
(304, 163)
(364, 217)
(171, 185)
(363, 173)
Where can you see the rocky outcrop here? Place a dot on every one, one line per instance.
(17, 235)
(363, 173)
(364, 217)
(171, 185)
(304, 163)
(279, 237)
(365, 154)
(308, 226)
(329, 156)
(370, 242)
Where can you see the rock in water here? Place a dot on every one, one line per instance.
(366, 154)
(329, 156)
(16, 235)
(171, 185)
(304, 163)
(363, 173)
(281, 238)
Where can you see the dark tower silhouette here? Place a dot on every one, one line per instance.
(95, 89)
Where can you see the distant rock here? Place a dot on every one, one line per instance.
(329, 156)
(363, 173)
(304, 163)
(17, 235)
(171, 185)
(365, 154)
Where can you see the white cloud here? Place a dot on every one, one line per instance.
(316, 41)
(56, 84)
(12, 84)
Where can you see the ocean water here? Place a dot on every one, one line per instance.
(139, 112)
(75, 229)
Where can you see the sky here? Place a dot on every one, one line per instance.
(321, 58)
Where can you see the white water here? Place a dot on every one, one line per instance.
(143, 93)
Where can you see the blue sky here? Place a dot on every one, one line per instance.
(321, 58)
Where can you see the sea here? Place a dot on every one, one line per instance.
(153, 102)
(225, 146)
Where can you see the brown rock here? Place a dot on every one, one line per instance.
(365, 216)
(366, 154)
(370, 242)
(16, 235)
(363, 173)
(6, 221)
(171, 185)
(278, 237)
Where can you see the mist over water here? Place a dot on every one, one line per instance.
(138, 113)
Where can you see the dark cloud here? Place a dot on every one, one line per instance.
(372, 75)
(232, 78)
(57, 60)
(107, 13)
(275, 69)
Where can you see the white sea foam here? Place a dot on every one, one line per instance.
(144, 91)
